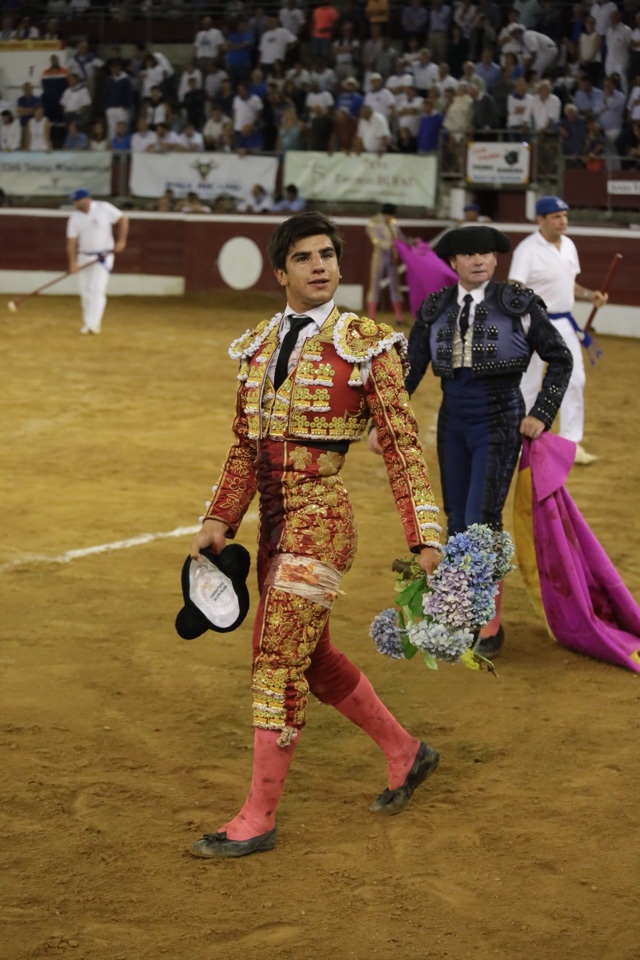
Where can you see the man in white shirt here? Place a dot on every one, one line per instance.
(274, 45)
(601, 12)
(425, 71)
(246, 110)
(409, 107)
(539, 52)
(545, 109)
(547, 261)
(258, 201)
(519, 107)
(190, 72)
(292, 18)
(208, 43)
(218, 130)
(90, 238)
(619, 37)
(10, 132)
(143, 140)
(76, 102)
(380, 99)
(373, 134)
(190, 140)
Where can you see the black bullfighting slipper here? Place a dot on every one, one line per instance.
(490, 647)
(219, 846)
(393, 801)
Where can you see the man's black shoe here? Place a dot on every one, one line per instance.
(490, 647)
(393, 801)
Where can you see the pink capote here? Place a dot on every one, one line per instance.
(426, 272)
(587, 606)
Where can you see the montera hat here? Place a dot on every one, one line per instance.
(547, 205)
(214, 591)
(79, 194)
(469, 240)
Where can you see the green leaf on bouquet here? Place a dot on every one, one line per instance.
(408, 648)
(430, 661)
(414, 589)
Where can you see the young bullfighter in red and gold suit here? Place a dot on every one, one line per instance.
(310, 379)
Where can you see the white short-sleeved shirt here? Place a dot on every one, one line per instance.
(246, 112)
(549, 271)
(274, 43)
(373, 131)
(94, 228)
(208, 43)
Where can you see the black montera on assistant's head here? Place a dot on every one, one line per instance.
(296, 228)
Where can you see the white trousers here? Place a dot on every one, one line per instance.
(93, 290)
(572, 407)
(115, 115)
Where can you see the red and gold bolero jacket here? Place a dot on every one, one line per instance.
(348, 372)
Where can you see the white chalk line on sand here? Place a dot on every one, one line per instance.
(107, 547)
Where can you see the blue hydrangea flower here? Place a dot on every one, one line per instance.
(387, 635)
(434, 639)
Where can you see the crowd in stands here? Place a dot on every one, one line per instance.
(350, 76)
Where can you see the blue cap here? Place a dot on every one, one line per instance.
(79, 194)
(473, 206)
(547, 205)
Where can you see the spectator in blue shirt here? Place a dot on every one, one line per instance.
(414, 21)
(122, 138)
(117, 98)
(488, 70)
(239, 47)
(27, 104)
(292, 202)
(573, 133)
(429, 129)
(350, 100)
(587, 98)
(75, 140)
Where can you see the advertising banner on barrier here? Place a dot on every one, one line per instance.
(25, 174)
(210, 175)
(401, 179)
(498, 163)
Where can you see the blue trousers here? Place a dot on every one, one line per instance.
(478, 446)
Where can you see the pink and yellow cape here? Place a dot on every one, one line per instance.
(571, 581)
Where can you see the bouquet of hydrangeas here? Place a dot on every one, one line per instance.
(441, 616)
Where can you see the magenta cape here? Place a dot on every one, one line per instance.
(569, 577)
(426, 272)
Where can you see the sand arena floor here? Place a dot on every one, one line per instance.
(121, 743)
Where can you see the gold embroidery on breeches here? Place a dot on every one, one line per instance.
(300, 592)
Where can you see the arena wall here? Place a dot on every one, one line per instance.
(175, 254)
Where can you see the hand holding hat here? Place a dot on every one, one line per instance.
(215, 592)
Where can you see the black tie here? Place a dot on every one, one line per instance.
(289, 342)
(464, 316)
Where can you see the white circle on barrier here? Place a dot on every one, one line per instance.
(240, 263)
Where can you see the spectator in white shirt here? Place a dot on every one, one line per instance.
(75, 102)
(425, 72)
(299, 76)
(218, 130)
(38, 131)
(380, 99)
(539, 52)
(464, 14)
(327, 77)
(258, 201)
(158, 110)
(545, 109)
(10, 132)
(601, 12)
(409, 108)
(274, 45)
(190, 140)
(190, 72)
(395, 82)
(373, 134)
(292, 18)
(618, 45)
(319, 106)
(144, 139)
(519, 108)
(633, 103)
(247, 109)
(166, 140)
(446, 81)
(152, 75)
(208, 43)
(213, 80)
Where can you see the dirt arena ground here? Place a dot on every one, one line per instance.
(121, 743)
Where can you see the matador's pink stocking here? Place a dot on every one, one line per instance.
(364, 708)
(270, 768)
(493, 626)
